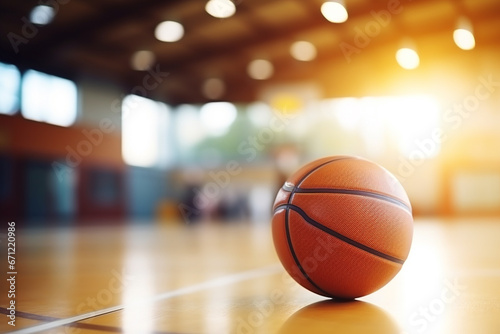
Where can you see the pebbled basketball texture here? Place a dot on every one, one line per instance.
(342, 226)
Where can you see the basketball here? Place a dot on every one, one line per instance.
(342, 226)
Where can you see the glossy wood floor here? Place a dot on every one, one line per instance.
(216, 278)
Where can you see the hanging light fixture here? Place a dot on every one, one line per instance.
(220, 8)
(260, 69)
(463, 34)
(169, 31)
(334, 11)
(42, 14)
(303, 51)
(407, 56)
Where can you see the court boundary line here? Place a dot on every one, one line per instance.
(213, 283)
(79, 325)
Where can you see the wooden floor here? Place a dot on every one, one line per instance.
(219, 278)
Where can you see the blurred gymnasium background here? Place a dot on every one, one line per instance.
(101, 122)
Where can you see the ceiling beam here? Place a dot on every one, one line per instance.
(109, 15)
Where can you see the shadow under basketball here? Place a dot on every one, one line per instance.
(340, 317)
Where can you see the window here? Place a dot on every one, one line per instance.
(48, 98)
(145, 132)
(9, 89)
(379, 123)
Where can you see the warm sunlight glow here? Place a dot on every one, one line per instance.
(334, 11)
(413, 120)
(286, 103)
(428, 268)
(464, 39)
(347, 112)
(407, 58)
(407, 122)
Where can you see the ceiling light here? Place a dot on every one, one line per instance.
(213, 88)
(220, 8)
(42, 14)
(260, 69)
(334, 11)
(142, 60)
(407, 58)
(463, 36)
(169, 31)
(464, 39)
(303, 51)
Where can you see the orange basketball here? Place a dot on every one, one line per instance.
(342, 226)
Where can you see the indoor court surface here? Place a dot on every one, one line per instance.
(227, 279)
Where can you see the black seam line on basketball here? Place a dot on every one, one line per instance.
(287, 227)
(318, 167)
(312, 171)
(338, 235)
(354, 192)
(295, 258)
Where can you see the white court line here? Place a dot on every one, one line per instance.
(216, 282)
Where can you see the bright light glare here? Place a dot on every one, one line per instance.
(407, 58)
(347, 111)
(217, 117)
(42, 14)
(427, 266)
(220, 8)
(47, 98)
(334, 12)
(138, 292)
(141, 131)
(189, 129)
(169, 31)
(303, 51)
(10, 79)
(407, 121)
(464, 39)
(411, 120)
(260, 69)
